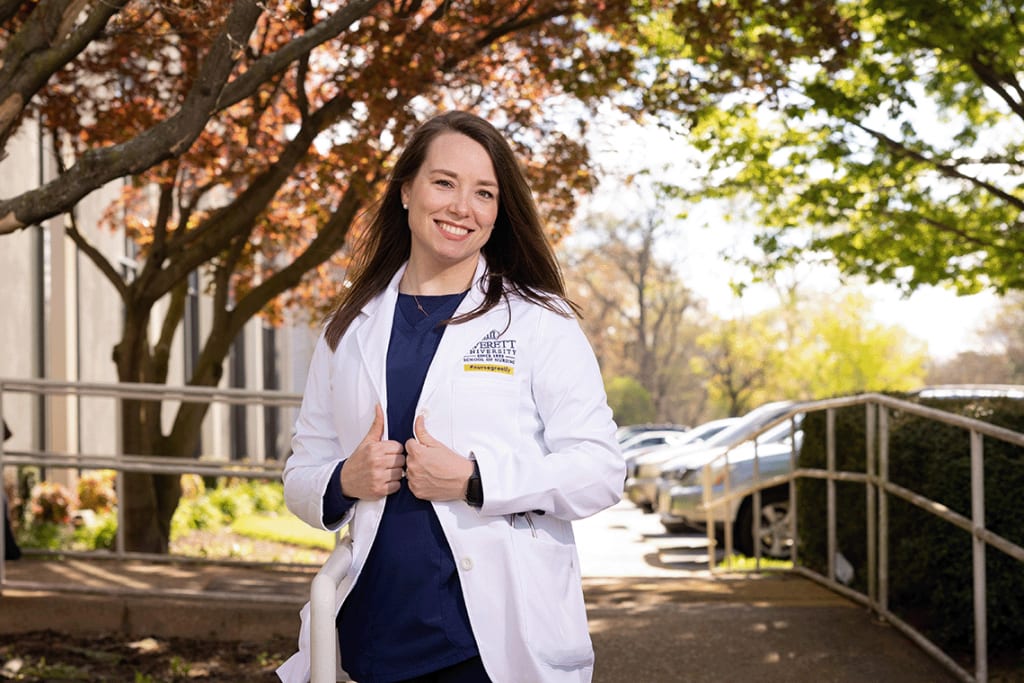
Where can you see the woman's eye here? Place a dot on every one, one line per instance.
(444, 183)
(486, 194)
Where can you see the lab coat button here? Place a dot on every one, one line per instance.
(467, 563)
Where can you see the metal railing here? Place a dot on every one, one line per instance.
(121, 463)
(878, 489)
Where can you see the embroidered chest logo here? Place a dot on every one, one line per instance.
(491, 354)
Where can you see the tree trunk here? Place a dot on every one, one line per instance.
(148, 500)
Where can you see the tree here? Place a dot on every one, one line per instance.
(740, 359)
(839, 351)
(1006, 332)
(972, 367)
(809, 347)
(255, 135)
(642, 318)
(43, 42)
(630, 402)
(884, 135)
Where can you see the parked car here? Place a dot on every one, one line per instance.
(654, 437)
(642, 475)
(626, 432)
(680, 501)
(696, 436)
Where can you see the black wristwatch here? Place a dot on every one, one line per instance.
(474, 489)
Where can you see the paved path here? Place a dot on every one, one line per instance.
(656, 614)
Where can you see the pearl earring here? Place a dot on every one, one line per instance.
(405, 206)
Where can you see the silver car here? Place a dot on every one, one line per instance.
(681, 492)
(695, 438)
(642, 475)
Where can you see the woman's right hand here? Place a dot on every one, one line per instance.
(374, 470)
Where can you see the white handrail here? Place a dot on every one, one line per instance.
(127, 462)
(323, 634)
(879, 488)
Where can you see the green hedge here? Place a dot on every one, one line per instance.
(930, 567)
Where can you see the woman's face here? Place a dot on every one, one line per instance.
(452, 203)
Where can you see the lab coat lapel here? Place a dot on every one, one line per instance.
(457, 339)
(374, 334)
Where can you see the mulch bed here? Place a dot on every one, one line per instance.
(53, 657)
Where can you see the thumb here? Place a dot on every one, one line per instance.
(376, 432)
(420, 431)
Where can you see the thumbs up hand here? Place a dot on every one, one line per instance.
(435, 472)
(374, 469)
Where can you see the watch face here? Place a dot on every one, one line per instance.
(474, 491)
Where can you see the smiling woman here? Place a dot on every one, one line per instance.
(455, 418)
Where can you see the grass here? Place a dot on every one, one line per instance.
(283, 529)
(742, 563)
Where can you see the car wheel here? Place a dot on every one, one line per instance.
(776, 525)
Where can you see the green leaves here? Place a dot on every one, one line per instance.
(882, 136)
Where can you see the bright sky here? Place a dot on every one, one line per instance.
(946, 322)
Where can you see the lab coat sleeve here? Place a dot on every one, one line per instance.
(582, 470)
(316, 448)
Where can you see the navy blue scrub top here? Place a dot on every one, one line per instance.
(405, 616)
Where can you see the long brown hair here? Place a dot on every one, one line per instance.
(518, 254)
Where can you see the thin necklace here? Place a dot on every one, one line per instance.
(420, 306)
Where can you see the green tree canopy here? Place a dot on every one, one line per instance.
(885, 136)
(810, 347)
(839, 350)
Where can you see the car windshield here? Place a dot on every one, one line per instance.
(705, 431)
(749, 423)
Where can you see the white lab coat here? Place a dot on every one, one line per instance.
(519, 390)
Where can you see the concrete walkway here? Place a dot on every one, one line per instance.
(645, 630)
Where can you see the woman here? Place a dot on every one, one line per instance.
(455, 419)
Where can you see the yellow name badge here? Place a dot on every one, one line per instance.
(489, 367)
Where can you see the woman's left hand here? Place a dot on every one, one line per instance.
(434, 471)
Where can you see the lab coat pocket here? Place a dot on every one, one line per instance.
(551, 600)
(486, 413)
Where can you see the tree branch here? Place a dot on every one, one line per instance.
(947, 170)
(995, 82)
(168, 138)
(47, 41)
(260, 71)
(330, 238)
(194, 247)
(172, 319)
(97, 258)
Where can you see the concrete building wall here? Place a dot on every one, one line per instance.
(21, 289)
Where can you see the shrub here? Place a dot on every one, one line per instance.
(232, 501)
(264, 496)
(43, 535)
(196, 515)
(51, 502)
(95, 532)
(96, 490)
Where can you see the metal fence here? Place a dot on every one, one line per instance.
(878, 490)
(211, 465)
